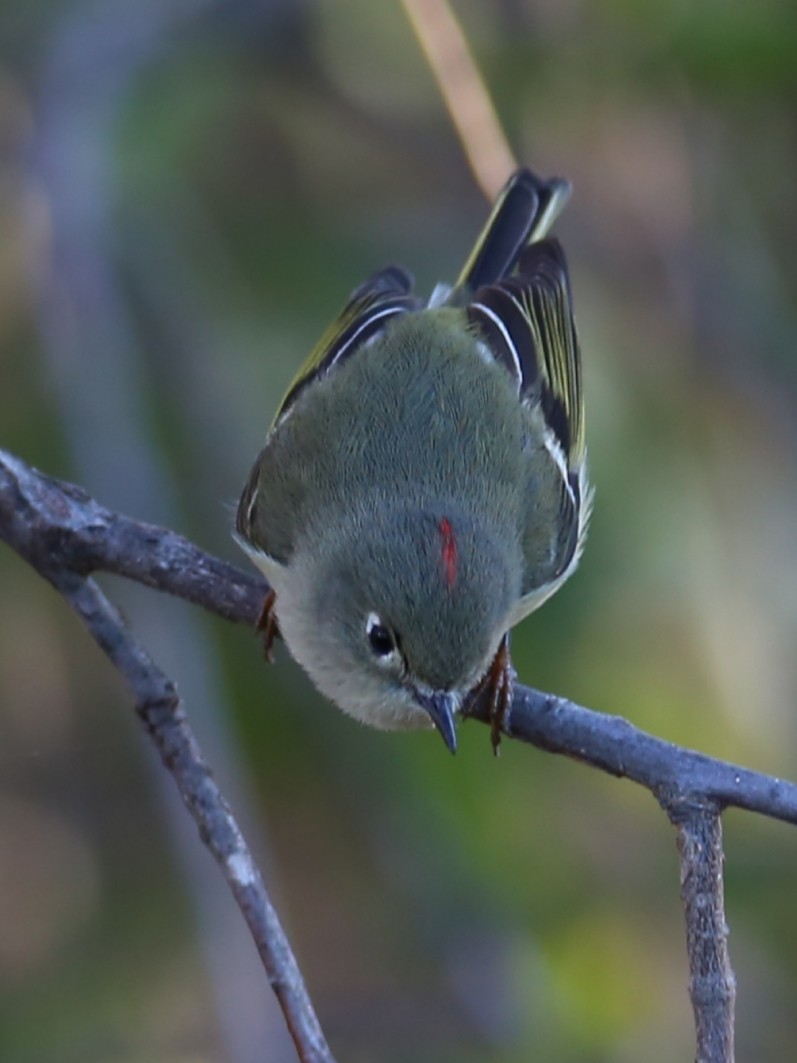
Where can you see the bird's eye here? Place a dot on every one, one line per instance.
(380, 638)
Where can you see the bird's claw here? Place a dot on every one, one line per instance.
(267, 624)
(497, 685)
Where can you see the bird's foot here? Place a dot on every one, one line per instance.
(497, 685)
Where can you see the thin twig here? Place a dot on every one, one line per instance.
(159, 707)
(712, 986)
(463, 90)
(79, 520)
(672, 773)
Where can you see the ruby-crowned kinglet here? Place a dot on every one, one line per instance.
(423, 487)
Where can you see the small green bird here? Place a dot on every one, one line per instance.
(424, 484)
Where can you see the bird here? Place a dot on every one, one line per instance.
(424, 486)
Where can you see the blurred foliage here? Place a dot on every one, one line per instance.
(198, 185)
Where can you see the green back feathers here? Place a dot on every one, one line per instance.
(367, 313)
(539, 288)
(515, 292)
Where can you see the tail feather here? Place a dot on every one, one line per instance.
(523, 214)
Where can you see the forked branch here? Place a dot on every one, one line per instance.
(66, 536)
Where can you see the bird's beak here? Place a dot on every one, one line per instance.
(441, 707)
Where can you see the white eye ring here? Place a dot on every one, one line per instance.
(380, 638)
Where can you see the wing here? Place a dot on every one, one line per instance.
(267, 533)
(526, 322)
(366, 314)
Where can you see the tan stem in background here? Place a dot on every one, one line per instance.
(464, 92)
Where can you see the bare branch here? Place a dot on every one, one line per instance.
(712, 985)
(673, 774)
(66, 535)
(56, 525)
(68, 529)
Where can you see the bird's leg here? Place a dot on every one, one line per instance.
(267, 624)
(497, 685)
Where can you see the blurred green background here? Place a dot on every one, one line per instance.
(188, 191)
